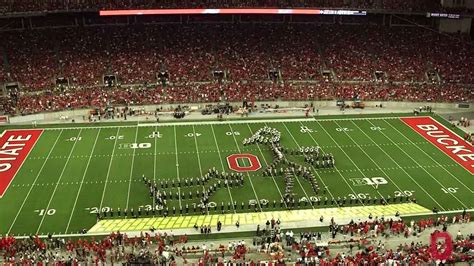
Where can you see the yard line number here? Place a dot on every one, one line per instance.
(343, 129)
(405, 193)
(74, 139)
(450, 190)
(48, 212)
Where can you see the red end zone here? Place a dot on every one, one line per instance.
(15, 145)
(447, 141)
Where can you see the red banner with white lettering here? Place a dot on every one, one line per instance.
(15, 145)
(443, 138)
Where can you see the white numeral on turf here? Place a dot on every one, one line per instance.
(47, 212)
(113, 137)
(95, 210)
(190, 135)
(343, 129)
(450, 190)
(140, 145)
(376, 128)
(233, 133)
(359, 196)
(407, 193)
(375, 181)
(74, 139)
(147, 207)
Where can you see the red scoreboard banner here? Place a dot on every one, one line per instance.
(232, 11)
(15, 145)
(443, 138)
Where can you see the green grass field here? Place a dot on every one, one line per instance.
(73, 172)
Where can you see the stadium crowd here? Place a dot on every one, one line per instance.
(249, 55)
(244, 52)
(233, 92)
(54, 5)
(157, 248)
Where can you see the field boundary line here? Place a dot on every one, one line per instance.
(131, 170)
(59, 180)
(398, 165)
(248, 176)
(210, 122)
(436, 180)
(273, 177)
(177, 166)
(154, 168)
(34, 182)
(108, 170)
(82, 181)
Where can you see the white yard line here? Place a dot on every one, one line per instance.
(59, 180)
(131, 170)
(347, 155)
(108, 170)
(82, 181)
(248, 176)
(222, 164)
(317, 173)
(399, 166)
(177, 166)
(409, 156)
(431, 157)
(34, 182)
(273, 178)
(335, 167)
(212, 151)
(197, 152)
(368, 156)
(199, 159)
(154, 166)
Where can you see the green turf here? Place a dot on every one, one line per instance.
(60, 183)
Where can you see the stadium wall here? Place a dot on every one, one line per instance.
(455, 25)
(66, 116)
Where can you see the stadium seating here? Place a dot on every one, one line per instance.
(245, 52)
(150, 247)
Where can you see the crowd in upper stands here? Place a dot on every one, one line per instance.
(254, 53)
(53, 5)
(158, 248)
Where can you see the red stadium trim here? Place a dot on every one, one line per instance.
(15, 145)
(231, 11)
(207, 11)
(444, 139)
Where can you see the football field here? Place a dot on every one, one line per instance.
(71, 173)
